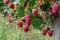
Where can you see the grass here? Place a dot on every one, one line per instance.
(9, 32)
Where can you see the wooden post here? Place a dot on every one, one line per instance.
(57, 27)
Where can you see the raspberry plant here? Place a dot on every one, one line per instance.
(36, 13)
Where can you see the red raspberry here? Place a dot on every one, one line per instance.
(36, 13)
(6, 1)
(10, 20)
(50, 33)
(27, 17)
(28, 22)
(11, 5)
(44, 32)
(20, 24)
(25, 29)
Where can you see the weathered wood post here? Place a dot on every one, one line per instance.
(57, 26)
(57, 29)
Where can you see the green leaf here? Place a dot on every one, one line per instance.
(47, 6)
(21, 12)
(12, 0)
(36, 23)
(1, 1)
(23, 2)
(2, 7)
(5, 7)
(33, 4)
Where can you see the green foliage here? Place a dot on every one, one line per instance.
(8, 32)
(47, 6)
(21, 12)
(33, 4)
(1, 1)
(23, 2)
(36, 22)
(12, 0)
(2, 5)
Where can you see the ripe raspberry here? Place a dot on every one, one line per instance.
(6, 1)
(25, 29)
(20, 24)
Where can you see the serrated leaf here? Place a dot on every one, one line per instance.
(36, 24)
(21, 12)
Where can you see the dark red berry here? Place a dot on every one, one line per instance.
(23, 20)
(50, 33)
(42, 5)
(25, 29)
(11, 5)
(20, 24)
(36, 13)
(44, 32)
